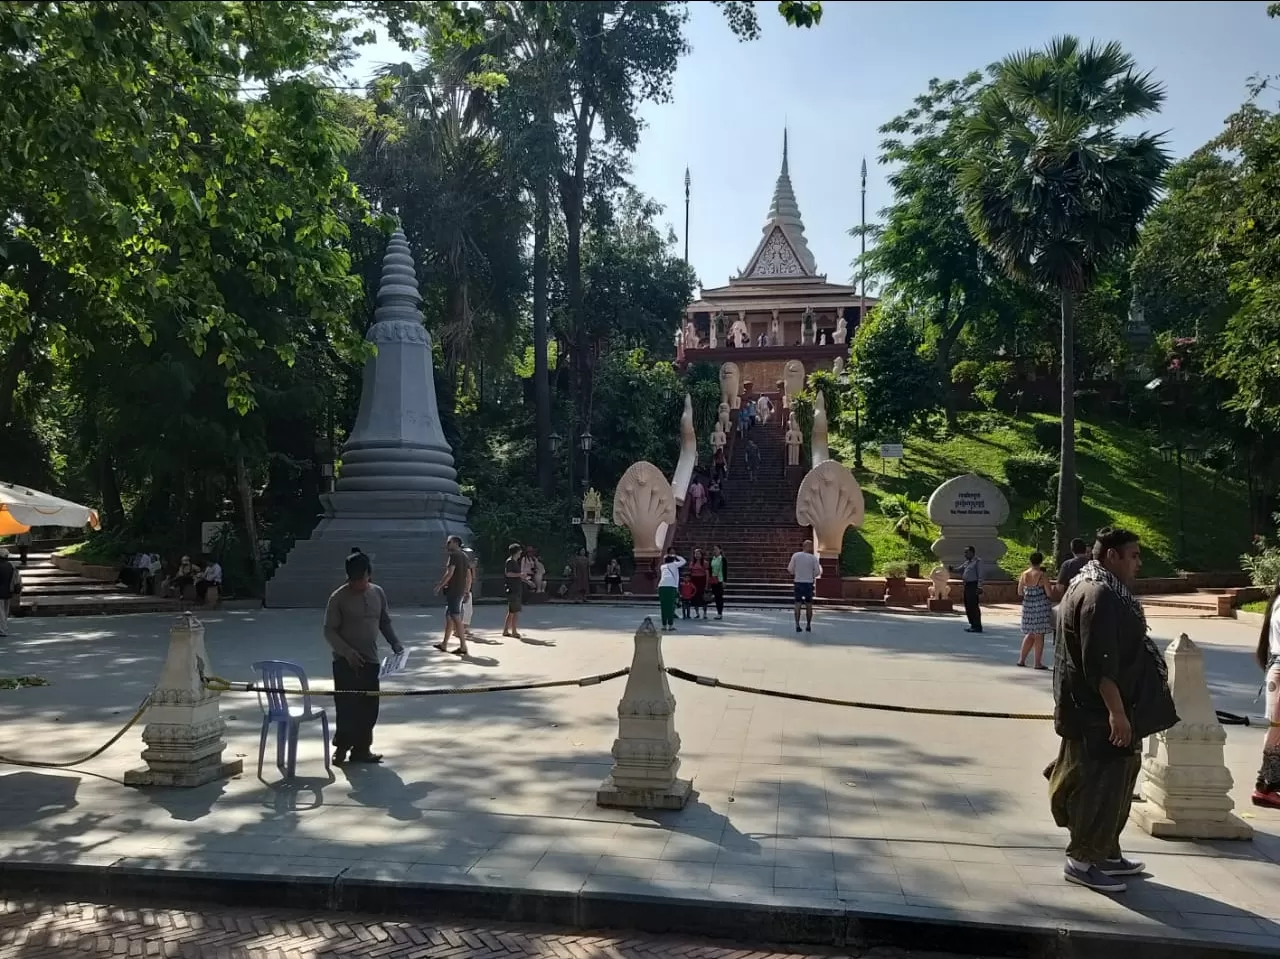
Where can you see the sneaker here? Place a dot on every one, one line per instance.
(339, 757)
(797, 627)
(1269, 799)
(1092, 878)
(366, 758)
(1122, 867)
(808, 628)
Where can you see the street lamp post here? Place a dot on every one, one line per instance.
(587, 441)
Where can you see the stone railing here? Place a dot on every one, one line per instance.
(688, 453)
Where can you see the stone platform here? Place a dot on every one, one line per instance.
(809, 823)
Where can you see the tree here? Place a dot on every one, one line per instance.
(451, 178)
(154, 154)
(895, 382)
(621, 53)
(1180, 271)
(1250, 356)
(924, 250)
(741, 15)
(1054, 190)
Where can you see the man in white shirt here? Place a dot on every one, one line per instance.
(805, 568)
(209, 578)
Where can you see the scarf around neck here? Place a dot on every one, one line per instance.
(1095, 572)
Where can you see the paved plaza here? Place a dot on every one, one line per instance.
(796, 804)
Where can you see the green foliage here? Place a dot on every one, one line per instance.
(1051, 488)
(896, 384)
(1038, 518)
(924, 250)
(1029, 474)
(742, 19)
(996, 375)
(895, 570)
(1047, 434)
(1054, 190)
(966, 372)
(909, 519)
(1263, 563)
(1180, 268)
(1124, 485)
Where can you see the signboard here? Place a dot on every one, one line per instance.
(891, 451)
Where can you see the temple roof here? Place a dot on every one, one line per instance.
(783, 252)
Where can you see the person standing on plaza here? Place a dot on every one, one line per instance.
(356, 613)
(970, 572)
(1068, 570)
(1037, 617)
(699, 572)
(454, 586)
(613, 577)
(8, 575)
(1267, 789)
(668, 587)
(1111, 691)
(717, 577)
(516, 579)
(580, 566)
(468, 607)
(805, 568)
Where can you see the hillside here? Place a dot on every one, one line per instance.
(1126, 484)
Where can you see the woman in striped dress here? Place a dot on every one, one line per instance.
(1037, 617)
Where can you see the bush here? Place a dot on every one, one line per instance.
(1051, 489)
(996, 376)
(966, 372)
(895, 570)
(1263, 564)
(1028, 474)
(1047, 434)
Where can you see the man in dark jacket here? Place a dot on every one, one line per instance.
(1110, 692)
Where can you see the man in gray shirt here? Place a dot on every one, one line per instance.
(971, 573)
(356, 613)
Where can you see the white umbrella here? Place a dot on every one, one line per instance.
(22, 508)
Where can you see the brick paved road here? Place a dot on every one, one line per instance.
(53, 930)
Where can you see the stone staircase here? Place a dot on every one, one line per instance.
(757, 528)
(49, 591)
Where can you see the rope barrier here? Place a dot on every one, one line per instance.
(142, 708)
(1227, 719)
(826, 701)
(218, 684)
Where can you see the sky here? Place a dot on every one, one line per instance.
(832, 86)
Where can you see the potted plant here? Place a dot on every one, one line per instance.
(895, 584)
(910, 518)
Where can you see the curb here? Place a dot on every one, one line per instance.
(780, 920)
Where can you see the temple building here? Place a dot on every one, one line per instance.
(779, 308)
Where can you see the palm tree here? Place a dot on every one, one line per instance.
(1054, 190)
(447, 172)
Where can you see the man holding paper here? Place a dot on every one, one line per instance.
(356, 613)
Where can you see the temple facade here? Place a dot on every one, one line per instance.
(780, 308)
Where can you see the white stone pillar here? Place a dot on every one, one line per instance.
(646, 754)
(1186, 786)
(184, 727)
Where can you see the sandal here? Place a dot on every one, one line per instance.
(1042, 667)
(1020, 665)
(461, 651)
(441, 647)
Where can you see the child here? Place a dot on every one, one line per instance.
(687, 593)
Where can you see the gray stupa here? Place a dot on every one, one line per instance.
(397, 497)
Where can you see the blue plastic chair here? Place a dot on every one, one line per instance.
(274, 698)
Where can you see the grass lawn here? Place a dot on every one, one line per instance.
(1126, 484)
(1259, 606)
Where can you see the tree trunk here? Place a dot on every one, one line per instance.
(109, 487)
(1065, 528)
(250, 522)
(541, 380)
